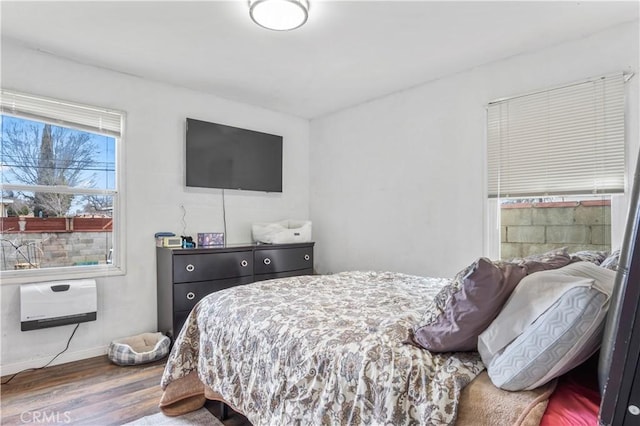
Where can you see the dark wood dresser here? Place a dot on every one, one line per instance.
(184, 276)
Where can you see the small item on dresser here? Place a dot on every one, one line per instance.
(283, 232)
(210, 239)
(187, 242)
(167, 239)
(164, 234)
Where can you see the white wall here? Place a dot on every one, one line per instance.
(399, 183)
(154, 192)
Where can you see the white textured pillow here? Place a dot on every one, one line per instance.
(552, 322)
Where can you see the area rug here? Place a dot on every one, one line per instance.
(193, 418)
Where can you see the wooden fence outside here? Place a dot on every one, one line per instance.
(12, 225)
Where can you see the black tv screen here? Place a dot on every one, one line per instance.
(226, 157)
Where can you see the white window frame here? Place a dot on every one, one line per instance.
(87, 118)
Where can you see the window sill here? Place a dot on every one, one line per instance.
(55, 274)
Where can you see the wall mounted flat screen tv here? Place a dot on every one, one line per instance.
(226, 157)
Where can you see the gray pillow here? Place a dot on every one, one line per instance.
(552, 322)
(594, 256)
(553, 259)
(466, 306)
(611, 262)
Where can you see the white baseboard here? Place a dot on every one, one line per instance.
(8, 369)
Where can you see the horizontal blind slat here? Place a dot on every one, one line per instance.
(559, 141)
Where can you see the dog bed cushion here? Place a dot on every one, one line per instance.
(139, 349)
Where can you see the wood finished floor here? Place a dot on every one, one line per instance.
(88, 392)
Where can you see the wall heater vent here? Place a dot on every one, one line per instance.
(55, 303)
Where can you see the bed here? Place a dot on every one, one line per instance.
(325, 348)
(349, 348)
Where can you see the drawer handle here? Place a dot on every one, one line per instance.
(191, 295)
(267, 261)
(244, 263)
(307, 257)
(190, 268)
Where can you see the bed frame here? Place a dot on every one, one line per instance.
(618, 372)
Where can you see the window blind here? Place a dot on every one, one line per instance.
(563, 141)
(53, 111)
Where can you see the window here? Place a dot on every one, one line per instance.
(555, 160)
(60, 194)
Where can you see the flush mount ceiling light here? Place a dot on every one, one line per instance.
(279, 15)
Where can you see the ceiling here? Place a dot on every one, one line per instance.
(347, 53)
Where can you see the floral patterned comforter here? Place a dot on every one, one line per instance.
(330, 350)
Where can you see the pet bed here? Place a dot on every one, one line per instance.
(139, 349)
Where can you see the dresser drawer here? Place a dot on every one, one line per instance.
(185, 296)
(283, 260)
(212, 266)
(263, 277)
